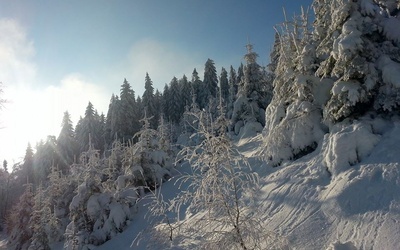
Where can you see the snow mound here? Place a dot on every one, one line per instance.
(249, 130)
(359, 208)
(346, 145)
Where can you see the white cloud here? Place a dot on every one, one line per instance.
(33, 112)
(16, 53)
(162, 61)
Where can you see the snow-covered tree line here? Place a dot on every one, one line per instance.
(327, 78)
(82, 186)
(331, 75)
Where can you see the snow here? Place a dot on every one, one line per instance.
(357, 207)
(346, 145)
(368, 7)
(391, 29)
(353, 90)
(349, 41)
(390, 71)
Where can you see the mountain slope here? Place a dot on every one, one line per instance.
(355, 208)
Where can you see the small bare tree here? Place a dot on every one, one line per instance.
(221, 192)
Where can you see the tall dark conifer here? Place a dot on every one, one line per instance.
(148, 100)
(224, 84)
(174, 101)
(66, 143)
(210, 82)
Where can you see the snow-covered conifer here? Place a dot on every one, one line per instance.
(39, 219)
(20, 233)
(251, 98)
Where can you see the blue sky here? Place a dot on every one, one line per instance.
(58, 55)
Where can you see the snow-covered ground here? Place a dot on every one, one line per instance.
(357, 208)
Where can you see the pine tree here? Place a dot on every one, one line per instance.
(361, 70)
(166, 102)
(240, 73)
(59, 194)
(146, 163)
(158, 99)
(148, 99)
(293, 126)
(89, 127)
(196, 86)
(45, 157)
(233, 89)
(66, 143)
(20, 233)
(251, 98)
(139, 110)
(113, 120)
(210, 82)
(38, 221)
(128, 120)
(175, 108)
(224, 85)
(5, 166)
(28, 165)
(185, 89)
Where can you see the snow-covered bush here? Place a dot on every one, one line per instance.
(96, 215)
(146, 163)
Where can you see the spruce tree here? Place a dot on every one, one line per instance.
(89, 127)
(166, 102)
(20, 233)
(148, 99)
(128, 116)
(196, 86)
(39, 219)
(210, 82)
(185, 89)
(158, 99)
(250, 103)
(175, 111)
(66, 143)
(28, 172)
(224, 85)
(45, 157)
(240, 73)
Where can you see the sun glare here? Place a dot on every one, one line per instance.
(27, 117)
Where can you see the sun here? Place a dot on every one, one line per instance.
(28, 117)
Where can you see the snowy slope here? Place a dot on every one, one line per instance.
(357, 208)
(360, 205)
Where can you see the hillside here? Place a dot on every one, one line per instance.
(313, 209)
